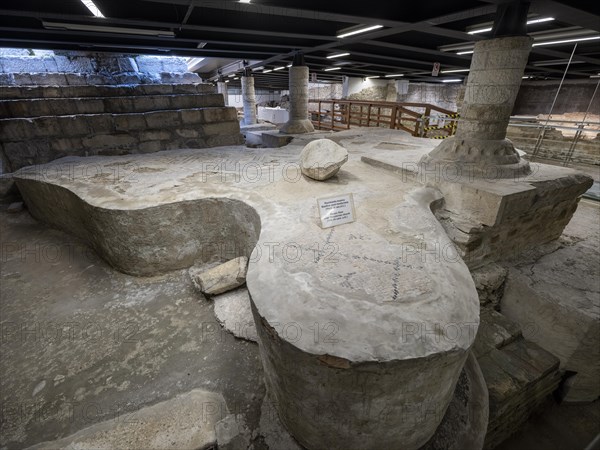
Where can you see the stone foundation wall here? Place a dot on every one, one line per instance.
(42, 123)
(39, 140)
(493, 222)
(535, 97)
(35, 67)
(555, 145)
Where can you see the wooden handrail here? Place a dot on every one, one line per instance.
(396, 115)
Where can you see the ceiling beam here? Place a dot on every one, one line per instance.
(154, 24)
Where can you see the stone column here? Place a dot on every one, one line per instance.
(299, 121)
(222, 89)
(249, 100)
(480, 147)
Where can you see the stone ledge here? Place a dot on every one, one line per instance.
(106, 105)
(25, 92)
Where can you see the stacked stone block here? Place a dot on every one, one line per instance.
(519, 374)
(43, 123)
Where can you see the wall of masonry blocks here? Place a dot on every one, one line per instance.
(555, 145)
(59, 104)
(40, 67)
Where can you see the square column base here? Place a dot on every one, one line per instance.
(495, 219)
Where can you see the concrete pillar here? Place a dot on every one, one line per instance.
(299, 121)
(480, 146)
(222, 89)
(249, 100)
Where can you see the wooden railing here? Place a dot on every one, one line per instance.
(413, 118)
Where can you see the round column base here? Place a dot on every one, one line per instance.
(298, 126)
(475, 158)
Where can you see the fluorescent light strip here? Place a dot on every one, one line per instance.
(395, 75)
(245, 1)
(361, 30)
(465, 53)
(529, 22)
(89, 4)
(288, 66)
(339, 55)
(566, 41)
(543, 19)
(481, 30)
(452, 80)
(279, 68)
(455, 70)
(103, 29)
(331, 69)
(374, 76)
(267, 71)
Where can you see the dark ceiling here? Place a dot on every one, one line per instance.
(414, 35)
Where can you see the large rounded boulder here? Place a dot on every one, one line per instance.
(322, 159)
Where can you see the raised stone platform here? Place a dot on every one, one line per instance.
(490, 219)
(353, 318)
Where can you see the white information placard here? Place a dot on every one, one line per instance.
(336, 210)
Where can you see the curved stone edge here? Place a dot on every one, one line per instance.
(152, 240)
(329, 402)
(463, 427)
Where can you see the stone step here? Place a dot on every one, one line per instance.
(98, 105)
(78, 79)
(519, 376)
(28, 141)
(50, 91)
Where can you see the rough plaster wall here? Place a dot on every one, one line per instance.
(535, 97)
(324, 91)
(443, 95)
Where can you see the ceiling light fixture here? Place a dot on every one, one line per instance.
(468, 52)
(279, 68)
(332, 69)
(566, 41)
(452, 80)
(93, 8)
(529, 22)
(288, 66)
(374, 76)
(455, 70)
(267, 71)
(394, 75)
(245, 1)
(360, 30)
(339, 55)
(103, 29)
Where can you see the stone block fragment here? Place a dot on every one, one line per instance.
(221, 278)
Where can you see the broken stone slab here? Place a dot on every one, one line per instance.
(221, 278)
(185, 422)
(233, 311)
(322, 159)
